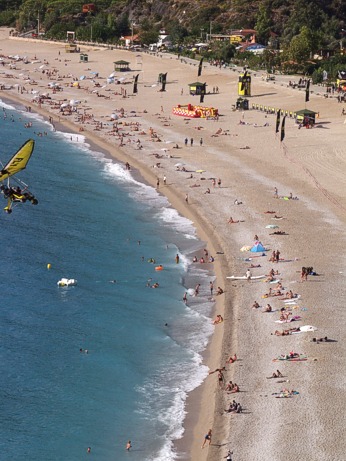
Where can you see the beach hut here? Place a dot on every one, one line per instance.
(242, 103)
(121, 66)
(197, 88)
(306, 116)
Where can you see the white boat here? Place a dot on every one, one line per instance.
(67, 282)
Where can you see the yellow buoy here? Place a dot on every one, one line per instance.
(48, 266)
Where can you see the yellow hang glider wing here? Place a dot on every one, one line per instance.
(19, 161)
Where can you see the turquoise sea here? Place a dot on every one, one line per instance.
(96, 223)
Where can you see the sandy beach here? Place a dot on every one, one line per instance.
(241, 149)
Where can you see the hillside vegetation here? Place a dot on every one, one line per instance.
(299, 28)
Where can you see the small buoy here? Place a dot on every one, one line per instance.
(49, 266)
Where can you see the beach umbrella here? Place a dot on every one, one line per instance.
(112, 75)
(64, 105)
(110, 80)
(272, 226)
(114, 117)
(74, 102)
(179, 164)
(82, 77)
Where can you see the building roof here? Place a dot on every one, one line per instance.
(305, 112)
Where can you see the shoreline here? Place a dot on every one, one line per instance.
(196, 397)
(313, 167)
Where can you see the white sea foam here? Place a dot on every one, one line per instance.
(149, 195)
(172, 386)
(171, 217)
(165, 394)
(6, 106)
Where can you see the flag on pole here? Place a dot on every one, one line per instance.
(277, 121)
(283, 129)
(307, 91)
(135, 84)
(163, 81)
(200, 67)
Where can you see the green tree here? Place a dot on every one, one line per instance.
(301, 45)
(263, 23)
(177, 32)
(149, 36)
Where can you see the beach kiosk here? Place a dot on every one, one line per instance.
(306, 117)
(242, 103)
(71, 48)
(121, 66)
(244, 85)
(197, 88)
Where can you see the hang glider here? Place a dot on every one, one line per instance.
(19, 161)
(19, 193)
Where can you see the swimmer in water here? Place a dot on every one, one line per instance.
(128, 445)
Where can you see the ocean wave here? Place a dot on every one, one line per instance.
(172, 218)
(6, 106)
(164, 400)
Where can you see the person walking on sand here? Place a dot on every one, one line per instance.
(201, 142)
(207, 437)
(211, 285)
(191, 142)
(177, 258)
(164, 180)
(248, 275)
(186, 198)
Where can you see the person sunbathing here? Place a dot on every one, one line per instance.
(253, 266)
(232, 359)
(218, 319)
(268, 308)
(270, 212)
(235, 389)
(278, 233)
(217, 370)
(232, 407)
(276, 374)
(282, 333)
(231, 221)
(255, 305)
(229, 386)
(284, 317)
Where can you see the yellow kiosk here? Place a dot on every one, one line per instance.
(244, 85)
